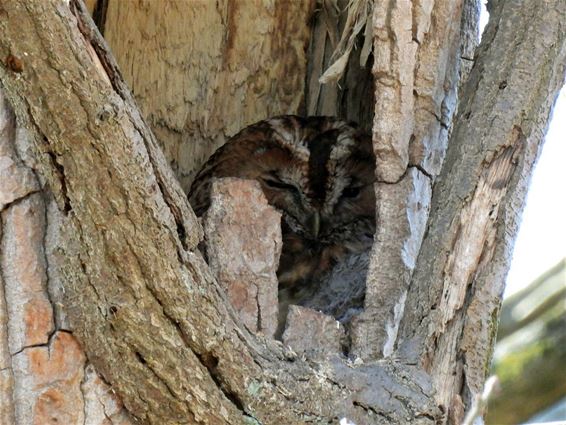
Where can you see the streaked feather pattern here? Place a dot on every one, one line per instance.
(319, 173)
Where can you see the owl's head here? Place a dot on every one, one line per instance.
(318, 172)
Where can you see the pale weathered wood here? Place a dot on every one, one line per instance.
(393, 259)
(444, 36)
(202, 70)
(393, 68)
(417, 71)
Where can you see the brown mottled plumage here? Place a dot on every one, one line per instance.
(319, 173)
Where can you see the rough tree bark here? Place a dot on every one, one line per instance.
(460, 274)
(98, 237)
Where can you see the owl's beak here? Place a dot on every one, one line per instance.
(314, 223)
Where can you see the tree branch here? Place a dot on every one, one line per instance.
(456, 290)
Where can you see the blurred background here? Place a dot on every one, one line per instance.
(530, 355)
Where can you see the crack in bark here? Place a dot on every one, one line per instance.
(82, 390)
(99, 14)
(56, 321)
(147, 365)
(5, 341)
(258, 306)
(98, 44)
(46, 344)
(141, 359)
(44, 288)
(59, 172)
(423, 171)
(208, 360)
(19, 199)
(368, 408)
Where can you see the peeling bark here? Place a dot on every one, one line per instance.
(243, 244)
(42, 365)
(418, 46)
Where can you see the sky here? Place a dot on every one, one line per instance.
(541, 242)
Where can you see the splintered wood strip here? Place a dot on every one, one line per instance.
(393, 70)
(403, 205)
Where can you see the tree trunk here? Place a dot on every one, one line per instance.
(99, 242)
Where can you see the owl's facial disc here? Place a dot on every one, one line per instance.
(325, 195)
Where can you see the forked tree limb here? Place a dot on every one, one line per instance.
(141, 299)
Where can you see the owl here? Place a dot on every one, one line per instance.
(318, 172)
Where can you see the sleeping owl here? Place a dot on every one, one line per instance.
(318, 172)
